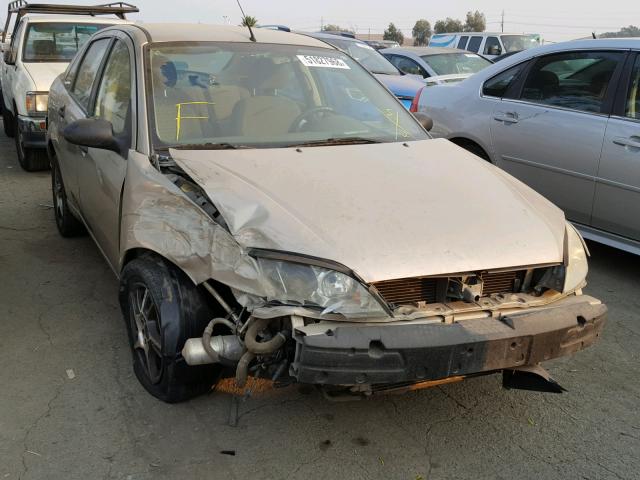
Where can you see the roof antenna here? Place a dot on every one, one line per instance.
(252, 37)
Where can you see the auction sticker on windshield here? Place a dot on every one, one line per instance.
(324, 62)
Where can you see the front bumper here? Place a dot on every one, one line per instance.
(33, 131)
(351, 354)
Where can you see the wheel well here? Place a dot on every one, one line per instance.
(471, 146)
(223, 289)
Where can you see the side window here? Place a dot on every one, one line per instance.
(474, 44)
(88, 70)
(498, 85)
(71, 71)
(13, 46)
(576, 80)
(632, 109)
(406, 65)
(463, 42)
(492, 46)
(113, 101)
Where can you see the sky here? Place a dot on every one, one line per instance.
(555, 20)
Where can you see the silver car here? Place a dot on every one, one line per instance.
(272, 210)
(436, 65)
(563, 118)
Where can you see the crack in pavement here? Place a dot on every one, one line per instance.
(47, 412)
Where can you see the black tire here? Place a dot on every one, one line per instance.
(68, 225)
(30, 159)
(173, 311)
(7, 122)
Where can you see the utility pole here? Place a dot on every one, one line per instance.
(502, 22)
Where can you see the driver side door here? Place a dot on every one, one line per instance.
(101, 173)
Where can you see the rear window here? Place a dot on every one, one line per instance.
(56, 42)
(456, 63)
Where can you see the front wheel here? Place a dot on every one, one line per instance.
(162, 309)
(7, 122)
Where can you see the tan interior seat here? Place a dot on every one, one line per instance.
(266, 113)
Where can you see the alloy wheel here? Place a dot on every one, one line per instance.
(145, 329)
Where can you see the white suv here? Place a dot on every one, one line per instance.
(43, 42)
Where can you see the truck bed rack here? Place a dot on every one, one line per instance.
(22, 7)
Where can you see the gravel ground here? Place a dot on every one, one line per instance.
(70, 407)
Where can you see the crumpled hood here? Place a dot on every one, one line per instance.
(43, 74)
(384, 210)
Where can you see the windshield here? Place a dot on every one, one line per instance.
(56, 42)
(456, 63)
(368, 56)
(515, 43)
(265, 95)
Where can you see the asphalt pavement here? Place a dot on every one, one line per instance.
(70, 407)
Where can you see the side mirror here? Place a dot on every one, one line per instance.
(495, 50)
(92, 132)
(425, 120)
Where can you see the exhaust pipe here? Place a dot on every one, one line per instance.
(227, 348)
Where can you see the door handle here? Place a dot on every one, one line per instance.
(507, 117)
(633, 142)
(62, 110)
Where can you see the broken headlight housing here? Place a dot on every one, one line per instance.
(575, 260)
(293, 283)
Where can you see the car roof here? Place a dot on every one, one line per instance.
(482, 34)
(37, 18)
(420, 51)
(199, 32)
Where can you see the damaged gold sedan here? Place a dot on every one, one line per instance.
(272, 210)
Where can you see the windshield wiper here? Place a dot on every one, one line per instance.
(209, 146)
(335, 141)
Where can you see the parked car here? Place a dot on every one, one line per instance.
(260, 219)
(380, 44)
(402, 86)
(436, 65)
(44, 40)
(488, 44)
(565, 119)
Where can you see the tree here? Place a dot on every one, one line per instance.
(476, 22)
(630, 31)
(335, 28)
(393, 34)
(421, 33)
(447, 26)
(249, 21)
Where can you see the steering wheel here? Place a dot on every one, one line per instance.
(304, 117)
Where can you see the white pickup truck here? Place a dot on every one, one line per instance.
(42, 42)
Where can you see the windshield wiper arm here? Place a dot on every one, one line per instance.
(335, 141)
(209, 146)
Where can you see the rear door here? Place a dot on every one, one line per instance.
(101, 173)
(617, 200)
(79, 84)
(550, 134)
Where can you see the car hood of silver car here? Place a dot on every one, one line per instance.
(391, 210)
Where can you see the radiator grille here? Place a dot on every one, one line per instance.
(498, 282)
(407, 291)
